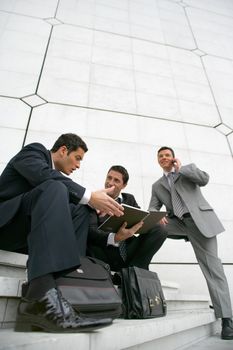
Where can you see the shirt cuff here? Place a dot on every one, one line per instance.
(111, 240)
(86, 197)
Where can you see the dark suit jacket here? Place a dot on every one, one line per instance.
(29, 168)
(99, 237)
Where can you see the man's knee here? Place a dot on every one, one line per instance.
(48, 192)
(53, 189)
(53, 186)
(158, 231)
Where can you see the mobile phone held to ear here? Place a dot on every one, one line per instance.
(174, 162)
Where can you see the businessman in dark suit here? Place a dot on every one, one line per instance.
(192, 216)
(121, 249)
(43, 214)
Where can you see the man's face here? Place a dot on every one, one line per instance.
(165, 160)
(67, 163)
(114, 178)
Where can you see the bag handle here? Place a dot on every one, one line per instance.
(99, 262)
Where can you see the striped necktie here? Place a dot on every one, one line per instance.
(178, 208)
(122, 244)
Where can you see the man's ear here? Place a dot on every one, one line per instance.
(62, 150)
(124, 185)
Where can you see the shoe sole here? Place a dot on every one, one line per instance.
(24, 324)
(227, 338)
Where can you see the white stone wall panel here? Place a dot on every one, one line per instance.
(128, 76)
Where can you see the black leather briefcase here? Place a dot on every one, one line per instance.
(142, 294)
(90, 290)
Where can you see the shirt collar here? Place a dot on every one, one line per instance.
(120, 198)
(168, 172)
(53, 166)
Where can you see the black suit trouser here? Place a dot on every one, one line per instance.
(50, 229)
(140, 250)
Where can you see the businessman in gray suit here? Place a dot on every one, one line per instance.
(191, 216)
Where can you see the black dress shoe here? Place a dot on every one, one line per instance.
(227, 329)
(53, 313)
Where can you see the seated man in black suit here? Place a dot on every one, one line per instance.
(43, 214)
(121, 249)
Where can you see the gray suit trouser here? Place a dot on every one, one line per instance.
(207, 256)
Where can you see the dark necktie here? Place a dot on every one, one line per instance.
(122, 249)
(178, 208)
(122, 244)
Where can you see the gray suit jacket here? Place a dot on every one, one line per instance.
(187, 184)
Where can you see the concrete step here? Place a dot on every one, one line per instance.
(13, 274)
(189, 320)
(12, 264)
(212, 343)
(174, 331)
(10, 292)
(184, 302)
(11, 287)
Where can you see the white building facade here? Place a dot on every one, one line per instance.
(128, 76)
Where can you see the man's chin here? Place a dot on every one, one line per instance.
(166, 168)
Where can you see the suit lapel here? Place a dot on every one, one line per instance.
(176, 177)
(164, 182)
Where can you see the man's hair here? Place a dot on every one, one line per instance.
(164, 148)
(71, 141)
(122, 170)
